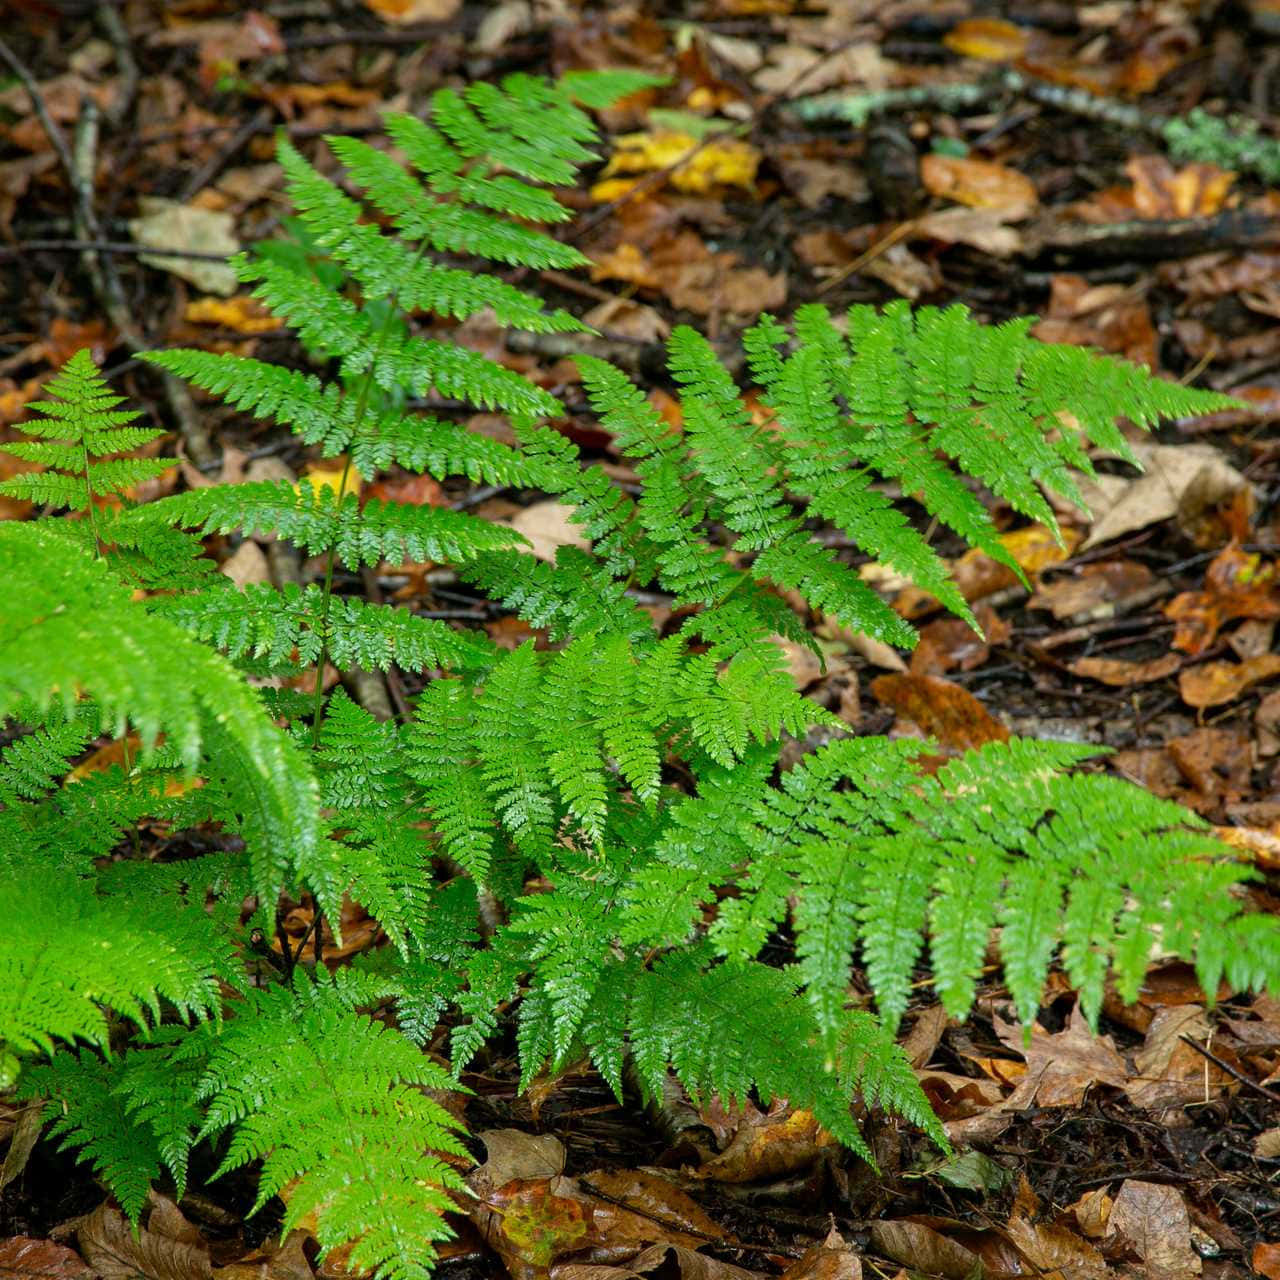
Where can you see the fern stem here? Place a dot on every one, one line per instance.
(362, 406)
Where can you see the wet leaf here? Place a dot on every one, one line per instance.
(1213, 684)
(1237, 585)
(1063, 1066)
(720, 162)
(991, 39)
(833, 1259)
(22, 1258)
(1093, 591)
(113, 1250)
(942, 709)
(1152, 1219)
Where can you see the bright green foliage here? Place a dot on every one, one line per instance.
(591, 830)
(1234, 143)
(67, 626)
(288, 627)
(70, 953)
(325, 1095)
(78, 438)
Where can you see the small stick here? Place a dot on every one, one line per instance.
(1231, 1071)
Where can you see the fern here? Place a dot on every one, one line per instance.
(79, 435)
(590, 831)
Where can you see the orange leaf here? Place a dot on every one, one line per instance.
(1216, 683)
(944, 710)
(981, 184)
(242, 314)
(991, 39)
(1117, 672)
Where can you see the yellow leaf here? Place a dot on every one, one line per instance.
(727, 162)
(241, 313)
(991, 39)
(329, 472)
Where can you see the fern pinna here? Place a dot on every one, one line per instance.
(611, 795)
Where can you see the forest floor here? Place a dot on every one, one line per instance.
(1148, 1149)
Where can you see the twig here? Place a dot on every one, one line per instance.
(109, 18)
(104, 246)
(56, 137)
(1233, 1072)
(886, 242)
(213, 166)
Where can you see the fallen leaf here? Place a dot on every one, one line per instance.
(1152, 1219)
(990, 39)
(1212, 684)
(915, 1245)
(981, 184)
(547, 525)
(833, 1259)
(111, 1247)
(1265, 1259)
(695, 168)
(1053, 1249)
(1237, 584)
(1169, 471)
(772, 1146)
(1170, 1072)
(23, 1258)
(403, 12)
(1063, 1066)
(1122, 674)
(942, 709)
(1094, 591)
(166, 224)
(1091, 1212)
(333, 474)
(1160, 191)
(513, 1154)
(981, 229)
(243, 314)
(247, 564)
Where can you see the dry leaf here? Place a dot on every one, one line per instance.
(403, 12)
(547, 526)
(243, 314)
(981, 184)
(1169, 471)
(166, 224)
(1094, 591)
(1153, 1220)
(698, 169)
(1215, 683)
(991, 39)
(981, 229)
(113, 1250)
(1062, 1067)
(23, 1258)
(833, 1259)
(1122, 674)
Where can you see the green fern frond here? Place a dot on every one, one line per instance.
(312, 520)
(68, 626)
(290, 625)
(81, 425)
(69, 955)
(326, 1096)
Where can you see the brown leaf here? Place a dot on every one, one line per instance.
(991, 39)
(514, 1154)
(1170, 1072)
(111, 1248)
(833, 1259)
(1152, 1220)
(1062, 1067)
(547, 526)
(920, 1247)
(676, 1216)
(1093, 591)
(775, 1145)
(1215, 683)
(1265, 1259)
(1155, 495)
(1118, 672)
(1160, 191)
(1237, 584)
(942, 709)
(402, 13)
(22, 1258)
(1052, 1248)
(981, 184)
(981, 229)
(1092, 1211)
